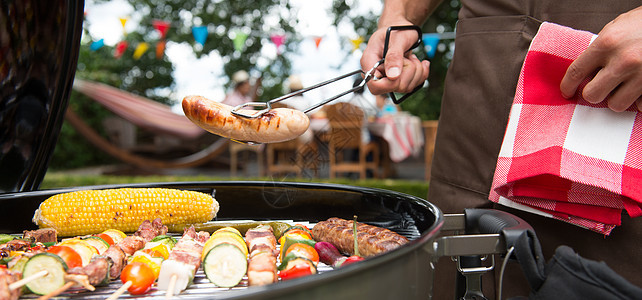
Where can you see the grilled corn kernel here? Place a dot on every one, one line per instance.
(93, 211)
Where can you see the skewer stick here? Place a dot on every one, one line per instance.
(23, 281)
(120, 290)
(81, 279)
(170, 287)
(59, 291)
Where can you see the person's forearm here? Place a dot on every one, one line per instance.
(415, 11)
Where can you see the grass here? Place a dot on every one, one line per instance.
(56, 179)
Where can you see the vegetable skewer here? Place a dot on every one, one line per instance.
(261, 243)
(298, 255)
(177, 272)
(225, 257)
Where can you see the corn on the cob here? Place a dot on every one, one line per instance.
(92, 211)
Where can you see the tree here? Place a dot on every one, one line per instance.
(151, 77)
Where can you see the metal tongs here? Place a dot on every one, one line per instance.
(261, 108)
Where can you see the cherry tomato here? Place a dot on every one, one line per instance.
(141, 276)
(106, 238)
(68, 254)
(303, 250)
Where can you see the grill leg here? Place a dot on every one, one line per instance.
(469, 281)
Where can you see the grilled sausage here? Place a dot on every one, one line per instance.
(372, 240)
(277, 125)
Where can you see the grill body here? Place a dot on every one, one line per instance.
(404, 273)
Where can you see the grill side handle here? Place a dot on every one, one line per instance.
(491, 221)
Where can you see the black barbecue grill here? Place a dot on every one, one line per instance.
(404, 273)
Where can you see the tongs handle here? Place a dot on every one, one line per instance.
(266, 106)
(415, 45)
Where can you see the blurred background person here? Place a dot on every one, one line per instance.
(363, 101)
(385, 106)
(298, 102)
(244, 91)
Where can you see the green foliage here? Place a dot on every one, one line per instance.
(259, 19)
(54, 180)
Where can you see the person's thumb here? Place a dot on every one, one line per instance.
(393, 63)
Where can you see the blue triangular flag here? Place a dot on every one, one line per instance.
(97, 45)
(431, 40)
(200, 34)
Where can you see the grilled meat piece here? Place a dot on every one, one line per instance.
(261, 242)
(8, 277)
(43, 235)
(118, 253)
(96, 271)
(14, 245)
(131, 244)
(149, 230)
(118, 258)
(183, 261)
(372, 240)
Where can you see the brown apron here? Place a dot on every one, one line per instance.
(491, 43)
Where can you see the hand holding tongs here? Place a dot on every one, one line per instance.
(367, 76)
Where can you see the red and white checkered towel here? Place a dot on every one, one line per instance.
(403, 133)
(567, 159)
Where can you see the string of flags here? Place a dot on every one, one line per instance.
(431, 41)
(239, 37)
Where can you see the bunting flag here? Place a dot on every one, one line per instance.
(160, 49)
(123, 21)
(356, 43)
(120, 49)
(97, 45)
(239, 40)
(140, 50)
(317, 40)
(278, 40)
(200, 34)
(162, 27)
(430, 40)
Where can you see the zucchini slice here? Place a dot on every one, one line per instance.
(56, 270)
(225, 265)
(98, 243)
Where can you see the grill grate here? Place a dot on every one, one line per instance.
(201, 286)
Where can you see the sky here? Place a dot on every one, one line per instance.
(196, 76)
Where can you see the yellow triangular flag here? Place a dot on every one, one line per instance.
(140, 50)
(123, 21)
(356, 43)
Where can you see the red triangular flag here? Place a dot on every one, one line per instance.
(161, 26)
(317, 40)
(120, 49)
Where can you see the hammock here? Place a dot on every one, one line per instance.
(145, 113)
(140, 111)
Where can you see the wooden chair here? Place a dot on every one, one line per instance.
(346, 123)
(237, 149)
(295, 156)
(430, 133)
